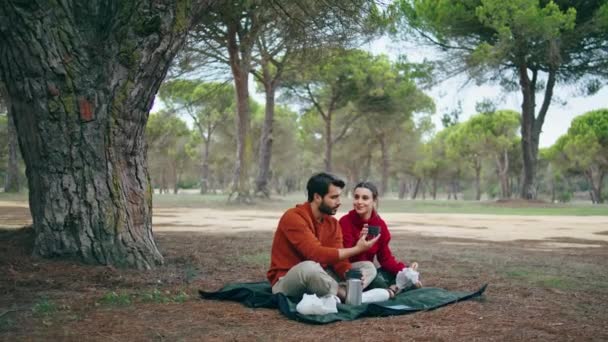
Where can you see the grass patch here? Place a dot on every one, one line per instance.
(6, 323)
(388, 205)
(162, 297)
(44, 307)
(11, 196)
(115, 299)
(556, 283)
(491, 208)
(190, 273)
(541, 278)
(392, 205)
(156, 296)
(257, 259)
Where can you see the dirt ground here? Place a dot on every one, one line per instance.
(547, 276)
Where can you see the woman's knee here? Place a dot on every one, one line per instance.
(368, 267)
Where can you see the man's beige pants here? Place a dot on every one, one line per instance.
(310, 277)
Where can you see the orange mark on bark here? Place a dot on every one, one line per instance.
(86, 110)
(53, 90)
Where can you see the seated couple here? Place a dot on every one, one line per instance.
(311, 251)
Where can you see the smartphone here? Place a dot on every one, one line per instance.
(373, 230)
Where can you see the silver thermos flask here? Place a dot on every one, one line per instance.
(354, 287)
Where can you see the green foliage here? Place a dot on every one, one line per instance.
(586, 143)
(564, 196)
(168, 138)
(584, 149)
(484, 34)
(493, 191)
(517, 44)
(341, 76)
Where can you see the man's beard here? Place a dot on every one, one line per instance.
(325, 209)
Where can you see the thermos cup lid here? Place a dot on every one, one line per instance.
(353, 274)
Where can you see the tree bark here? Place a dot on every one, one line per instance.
(455, 188)
(240, 65)
(328, 142)
(81, 78)
(11, 181)
(385, 164)
(502, 168)
(402, 188)
(265, 153)
(416, 188)
(595, 177)
(367, 166)
(206, 136)
(527, 127)
(205, 168)
(478, 180)
(177, 176)
(531, 125)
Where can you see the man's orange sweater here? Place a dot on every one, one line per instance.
(299, 237)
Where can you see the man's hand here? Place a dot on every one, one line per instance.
(363, 244)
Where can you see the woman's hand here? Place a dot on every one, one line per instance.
(393, 290)
(363, 231)
(414, 266)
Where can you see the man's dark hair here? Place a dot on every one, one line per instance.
(319, 184)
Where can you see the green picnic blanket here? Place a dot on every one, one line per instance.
(259, 295)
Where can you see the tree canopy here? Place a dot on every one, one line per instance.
(525, 44)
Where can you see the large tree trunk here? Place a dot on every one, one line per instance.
(205, 168)
(240, 65)
(478, 180)
(367, 166)
(81, 78)
(261, 182)
(502, 168)
(11, 181)
(531, 125)
(527, 127)
(328, 142)
(416, 188)
(385, 165)
(402, 188)
(455, 188)
(595, 177)
(177, 175)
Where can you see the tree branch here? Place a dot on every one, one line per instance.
(311, 97)
(346, 127)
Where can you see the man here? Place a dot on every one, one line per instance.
(307, 252)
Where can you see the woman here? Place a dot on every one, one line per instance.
(356, 222)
